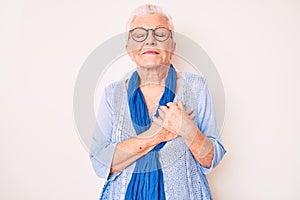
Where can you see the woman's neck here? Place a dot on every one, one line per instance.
(153, 76)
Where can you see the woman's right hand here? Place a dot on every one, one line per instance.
(161, 133)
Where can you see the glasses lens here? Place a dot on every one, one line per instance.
(161, 34)
(139, 34)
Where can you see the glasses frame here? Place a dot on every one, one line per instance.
(153, 33)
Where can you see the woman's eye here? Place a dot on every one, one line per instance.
(160, 35)
(140, 35)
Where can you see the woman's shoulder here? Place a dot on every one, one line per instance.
(193, 79)
(116, 86)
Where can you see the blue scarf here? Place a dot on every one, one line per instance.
(147, 182)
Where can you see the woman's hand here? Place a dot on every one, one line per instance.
(132, 149)
(179, 121)
(176, 119)
(160, 132)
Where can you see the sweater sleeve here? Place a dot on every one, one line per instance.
(208, 125)
(102, 148)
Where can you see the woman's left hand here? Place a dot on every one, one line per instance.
(177, 120)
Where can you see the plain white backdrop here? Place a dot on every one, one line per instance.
(254, 44)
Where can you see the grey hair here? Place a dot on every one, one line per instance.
(149, 9)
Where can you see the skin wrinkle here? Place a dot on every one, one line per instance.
(156, 76)
(165, 49)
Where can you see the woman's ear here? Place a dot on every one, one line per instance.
(174, 47)
(173, 50)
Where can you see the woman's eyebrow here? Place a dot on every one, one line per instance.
(159, 26)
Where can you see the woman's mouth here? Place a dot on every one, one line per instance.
(151, 52)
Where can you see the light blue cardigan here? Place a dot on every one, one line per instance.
(184, 177)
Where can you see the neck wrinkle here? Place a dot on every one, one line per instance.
(154, 75)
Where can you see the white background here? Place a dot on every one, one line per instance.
(254, 44)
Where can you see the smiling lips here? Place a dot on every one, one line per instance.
(151, 52)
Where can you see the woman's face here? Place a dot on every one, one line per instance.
(150, 53)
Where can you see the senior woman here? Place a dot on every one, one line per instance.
(157, 135)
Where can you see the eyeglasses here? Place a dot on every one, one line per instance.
(140, 34)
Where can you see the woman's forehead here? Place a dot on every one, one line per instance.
(150, 21)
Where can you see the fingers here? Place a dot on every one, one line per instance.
(161, 113)
(192, 116)
(189, 111)
(163, 108)
(180, 104)
(171, 104)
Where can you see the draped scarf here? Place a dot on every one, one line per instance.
(146, 182)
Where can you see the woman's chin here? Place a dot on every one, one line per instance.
(152, 65)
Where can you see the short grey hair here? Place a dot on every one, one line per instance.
(149, 9)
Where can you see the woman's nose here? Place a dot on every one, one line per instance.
(150, 40)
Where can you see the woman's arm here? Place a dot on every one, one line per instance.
(178, 121)
(108, 157)
(132, 149)
(201, 147)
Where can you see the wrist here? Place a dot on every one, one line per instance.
(188, 133)
(158, 137)
(152, 136)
